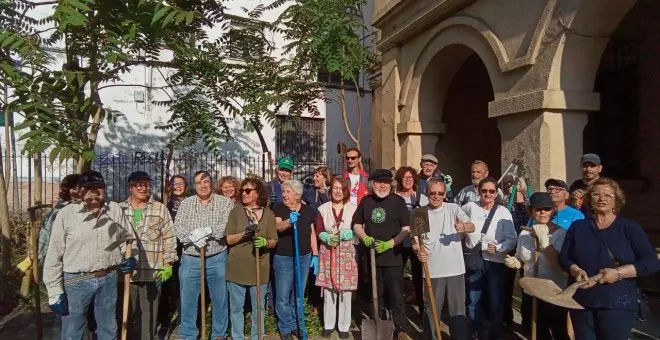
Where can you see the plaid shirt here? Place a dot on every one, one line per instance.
(44, 232)
(193, 214)
(157, 243)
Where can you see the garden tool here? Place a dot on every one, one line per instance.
(35, 262)
(202, 258)
(256, 260)
(420, 225)
(301, 306)
(376, 328)
(127, 294)
(549, 292)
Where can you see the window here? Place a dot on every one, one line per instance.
(333, 79)
(299, 137)
(245, 39)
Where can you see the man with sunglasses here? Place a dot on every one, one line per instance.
(443, 252)
(200, 223)
(355, 175)
(85, 251)
(564, 214)
(152, 225)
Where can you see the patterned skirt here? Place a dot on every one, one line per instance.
(338, 267)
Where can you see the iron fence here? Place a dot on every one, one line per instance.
(116, 168)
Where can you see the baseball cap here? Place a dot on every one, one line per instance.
(138, 175)
(429, 157)
(285, 163)
(590, 158)
(556, 183)
(91, 178)
(540, 200)
(381, 175)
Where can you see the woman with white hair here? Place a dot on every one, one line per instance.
(287, 213)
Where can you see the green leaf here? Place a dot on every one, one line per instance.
(169, 18)
(77, 4)
(159, 14)
(89, 155)
(54, 153)
(189, 17)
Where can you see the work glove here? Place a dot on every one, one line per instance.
(368, 241)
(512, 262)
(250, 231)
(542, 234)
(25, 265)
(346, 235)
(272, 198)
(201, 243)
(163, 275)
(448, 182)
(127, 265)
(260, 242)
(329, 239)
(314, 264)
(383, 246)
(200, 233)
(58, 304)
(293, 217)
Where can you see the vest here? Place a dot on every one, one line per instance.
(325, 210)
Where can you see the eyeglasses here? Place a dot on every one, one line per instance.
(488, 191)
(605, 195)
(247, 191)
(179, 184)
(437, 193)
(351, 158)
(552, 190)
(142, 185)
(546, 209)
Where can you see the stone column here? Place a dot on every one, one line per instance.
(417, 139)
(387, 153)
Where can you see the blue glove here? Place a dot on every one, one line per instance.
(293, 217)
(346, 235)
(448, 182)
(127, 265)
(315, 264)
(58, 304)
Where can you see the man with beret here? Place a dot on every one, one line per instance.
(564, 214)
(429, 169)
(156, 244)
(85, 251)
(382, 221)
(284, 173)
(591, 170)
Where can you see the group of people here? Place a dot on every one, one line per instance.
(476, 242)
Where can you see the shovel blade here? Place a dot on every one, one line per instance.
(377, 329)
(549, 292)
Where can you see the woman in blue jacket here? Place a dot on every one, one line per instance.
(619, 250)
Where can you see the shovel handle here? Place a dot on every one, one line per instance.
(127, 294)
(256, 254)
(374, 287)
(202, 258)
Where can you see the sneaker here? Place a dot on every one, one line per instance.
(401, 335)
(286, 336)
(344, 335)
(327, 333)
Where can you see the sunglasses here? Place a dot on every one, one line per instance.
(488, 191)
(247, 191)
(545, 209)
(437, 193)
(351, 158)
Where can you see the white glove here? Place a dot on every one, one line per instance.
(512, 262)
(199, 233)
(54, 299)
(542, 234)
(201, 243)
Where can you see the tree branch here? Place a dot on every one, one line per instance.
(135, 85)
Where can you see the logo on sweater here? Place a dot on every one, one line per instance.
(378, 215)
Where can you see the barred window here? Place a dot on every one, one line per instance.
(300, 137)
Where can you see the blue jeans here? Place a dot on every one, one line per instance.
(486, 288)
(236, 301)
(286, 306)
(101, 290)
(190, 283)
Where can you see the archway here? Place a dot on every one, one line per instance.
(624, 131)
(455, 90)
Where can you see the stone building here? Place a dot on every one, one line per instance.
(538, 80)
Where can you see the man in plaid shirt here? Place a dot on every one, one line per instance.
(156, 245)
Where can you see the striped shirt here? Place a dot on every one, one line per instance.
(82, 243)
(192, 214)
(156, 244)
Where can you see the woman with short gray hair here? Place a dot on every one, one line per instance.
(288, 213)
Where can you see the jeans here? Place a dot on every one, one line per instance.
(286, 303)
(487, 289)
(236, 302)
(190, 283)
(602, 324)
(80, 294)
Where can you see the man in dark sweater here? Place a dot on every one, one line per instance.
(591, 170)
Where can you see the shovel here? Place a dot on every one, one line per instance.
(376, 328)
(549, 292)
(419, 227)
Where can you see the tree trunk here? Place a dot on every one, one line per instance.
(344, 115)
(264, 146)
(4, 219)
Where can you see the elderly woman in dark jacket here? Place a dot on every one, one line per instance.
(618, 251)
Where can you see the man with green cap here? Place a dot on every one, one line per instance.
(284, 173)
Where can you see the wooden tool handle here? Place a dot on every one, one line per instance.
(429, 287)
(127, 294)
(202, 267)
(256, 253)
(374, 287)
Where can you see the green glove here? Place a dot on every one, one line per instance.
(383, 246)
(260, 242)
(368, 241)
(328, 239)
(163, 275)
(346, 235)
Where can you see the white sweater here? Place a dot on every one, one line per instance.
(500, 232)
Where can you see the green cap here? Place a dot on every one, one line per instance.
(285, 163)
